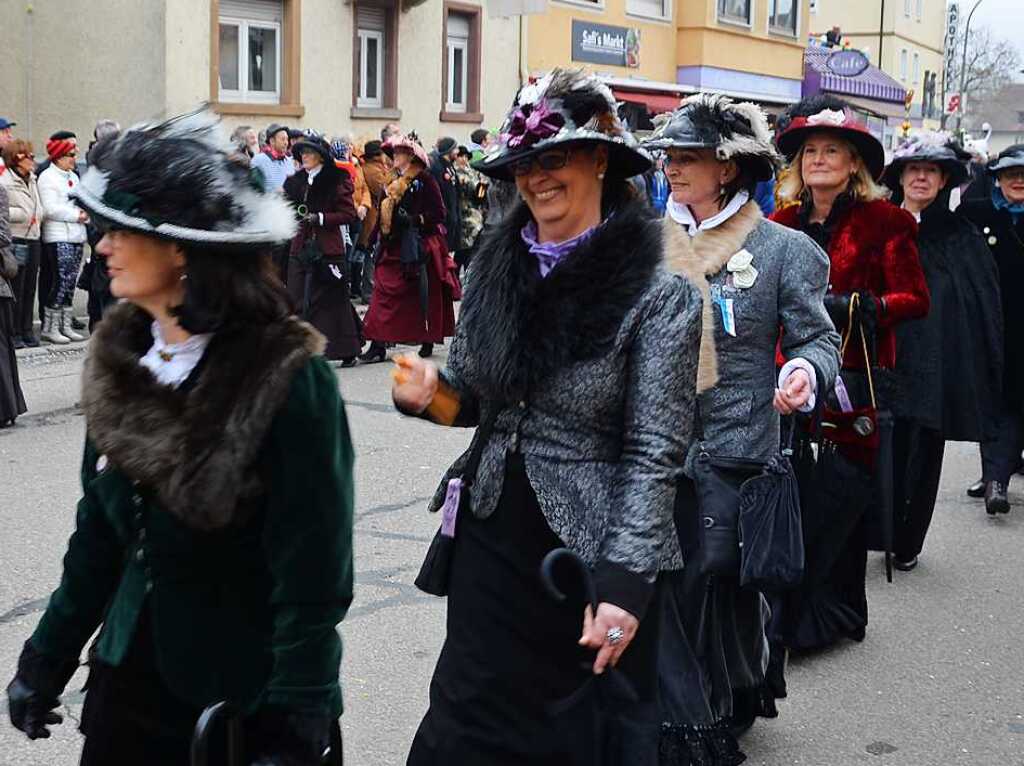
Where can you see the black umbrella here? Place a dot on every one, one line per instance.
(601, 698)
(205, 724)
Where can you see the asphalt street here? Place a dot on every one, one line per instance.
(938, 680)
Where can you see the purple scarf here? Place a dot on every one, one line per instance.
(549, 254)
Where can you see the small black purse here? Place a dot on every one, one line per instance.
(437, 565)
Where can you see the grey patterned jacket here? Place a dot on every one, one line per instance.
(594, 369)
(738, 374)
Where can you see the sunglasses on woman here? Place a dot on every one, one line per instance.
(556, 159)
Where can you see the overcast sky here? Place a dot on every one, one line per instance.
(1004, 17)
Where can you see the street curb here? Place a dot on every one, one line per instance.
(49, 351)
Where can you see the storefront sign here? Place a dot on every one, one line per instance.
(603, 44)
(848, 63)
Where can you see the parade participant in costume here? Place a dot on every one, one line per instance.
(442, 168)
(12, 402)
(63, 234)
(756, 276)
(375, 172)
(318, 265)
(26, 215)
(473, 203)
(576, 354)
(1000, 218)
(949, 362)
(415, 279)
(213, 540)
(872, 246)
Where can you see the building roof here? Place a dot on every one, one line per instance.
(873, 83)
(1004, 111)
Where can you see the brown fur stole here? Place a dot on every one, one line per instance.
(700, 257)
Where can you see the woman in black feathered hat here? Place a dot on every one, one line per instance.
(213, 539)
(318, 282)
(949, 362)
(576, 356)
(1000, 218)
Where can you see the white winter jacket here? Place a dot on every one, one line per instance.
(60, 215)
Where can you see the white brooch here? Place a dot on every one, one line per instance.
(741, 266)
(827, 117)
(993, 241)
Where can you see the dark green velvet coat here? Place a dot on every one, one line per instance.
(225, 508)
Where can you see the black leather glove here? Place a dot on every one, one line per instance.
(869, 312)
(34, 693)
(400, 220)
(290, 739)
(838, 307)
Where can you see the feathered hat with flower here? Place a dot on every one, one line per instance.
(566, 105)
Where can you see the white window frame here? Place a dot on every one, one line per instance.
(779, 30)
(916, 67)
(904, 64)
(588, 4)
(908, 7)
(919, 9)
(462, 44)
(362, 100)
(243, 95)
(749, 23)
(667, 12)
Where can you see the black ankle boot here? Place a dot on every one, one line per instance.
(377, 352)
(426, 350)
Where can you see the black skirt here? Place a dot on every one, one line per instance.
(12, 402)
(320, 293)
(511, 653)
(131, 717)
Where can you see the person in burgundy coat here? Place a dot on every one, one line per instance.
(416, 279)
(872, 247)
(317, 265)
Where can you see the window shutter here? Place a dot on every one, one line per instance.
(647, 7)
(458, 26)
(252, 10)
(371, 18)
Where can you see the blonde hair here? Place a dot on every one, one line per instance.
(864, 188)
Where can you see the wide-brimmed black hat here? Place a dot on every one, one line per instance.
(736, 131)
(311, 143)
(932, 146)
(565, 106)
(275, 128)
(1010, 157)
(830, 114)
(177, 180)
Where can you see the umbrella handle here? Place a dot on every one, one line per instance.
(200, 750)
(547, 576)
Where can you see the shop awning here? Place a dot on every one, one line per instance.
(656, 103)
(872, 83)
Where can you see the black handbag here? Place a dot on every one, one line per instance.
(771, 534)
(718, 483)
(436, 568)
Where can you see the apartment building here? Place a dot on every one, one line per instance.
(438, 66)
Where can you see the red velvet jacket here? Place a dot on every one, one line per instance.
(874, 248)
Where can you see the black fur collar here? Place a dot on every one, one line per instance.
(525, 327)
(195, 447)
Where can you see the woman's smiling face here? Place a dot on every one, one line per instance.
(560, 195)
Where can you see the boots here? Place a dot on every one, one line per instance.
(67, 325)
(51, 327)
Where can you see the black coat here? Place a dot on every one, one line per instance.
(1006, 243)
(951, 361)
(444, 174)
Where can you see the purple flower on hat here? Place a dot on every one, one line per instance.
(529, 125)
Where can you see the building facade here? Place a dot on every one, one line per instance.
(903, 38)
(652, 52)
(339, 66)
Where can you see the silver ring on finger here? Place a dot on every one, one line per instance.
(615, 635)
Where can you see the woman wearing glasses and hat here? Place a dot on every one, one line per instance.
(212, 546)
(318, 279)
(756, 277)
(576, 354)
(415, 279)
(1001, 222)
(949, 362)
(872, 246)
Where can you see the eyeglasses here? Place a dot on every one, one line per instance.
(1012, 174)
(556, 159)
(72, 154)
(28, 156)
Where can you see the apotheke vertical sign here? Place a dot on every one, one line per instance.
(604, 44)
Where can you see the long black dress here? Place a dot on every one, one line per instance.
(949, 365)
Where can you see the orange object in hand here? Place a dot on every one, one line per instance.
(445, 405)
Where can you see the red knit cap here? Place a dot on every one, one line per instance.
(59, 148)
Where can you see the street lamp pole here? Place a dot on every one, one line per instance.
(963, 67)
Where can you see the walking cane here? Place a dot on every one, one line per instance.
(201, 735)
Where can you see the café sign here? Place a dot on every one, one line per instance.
(603, 44)
(848, 63)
